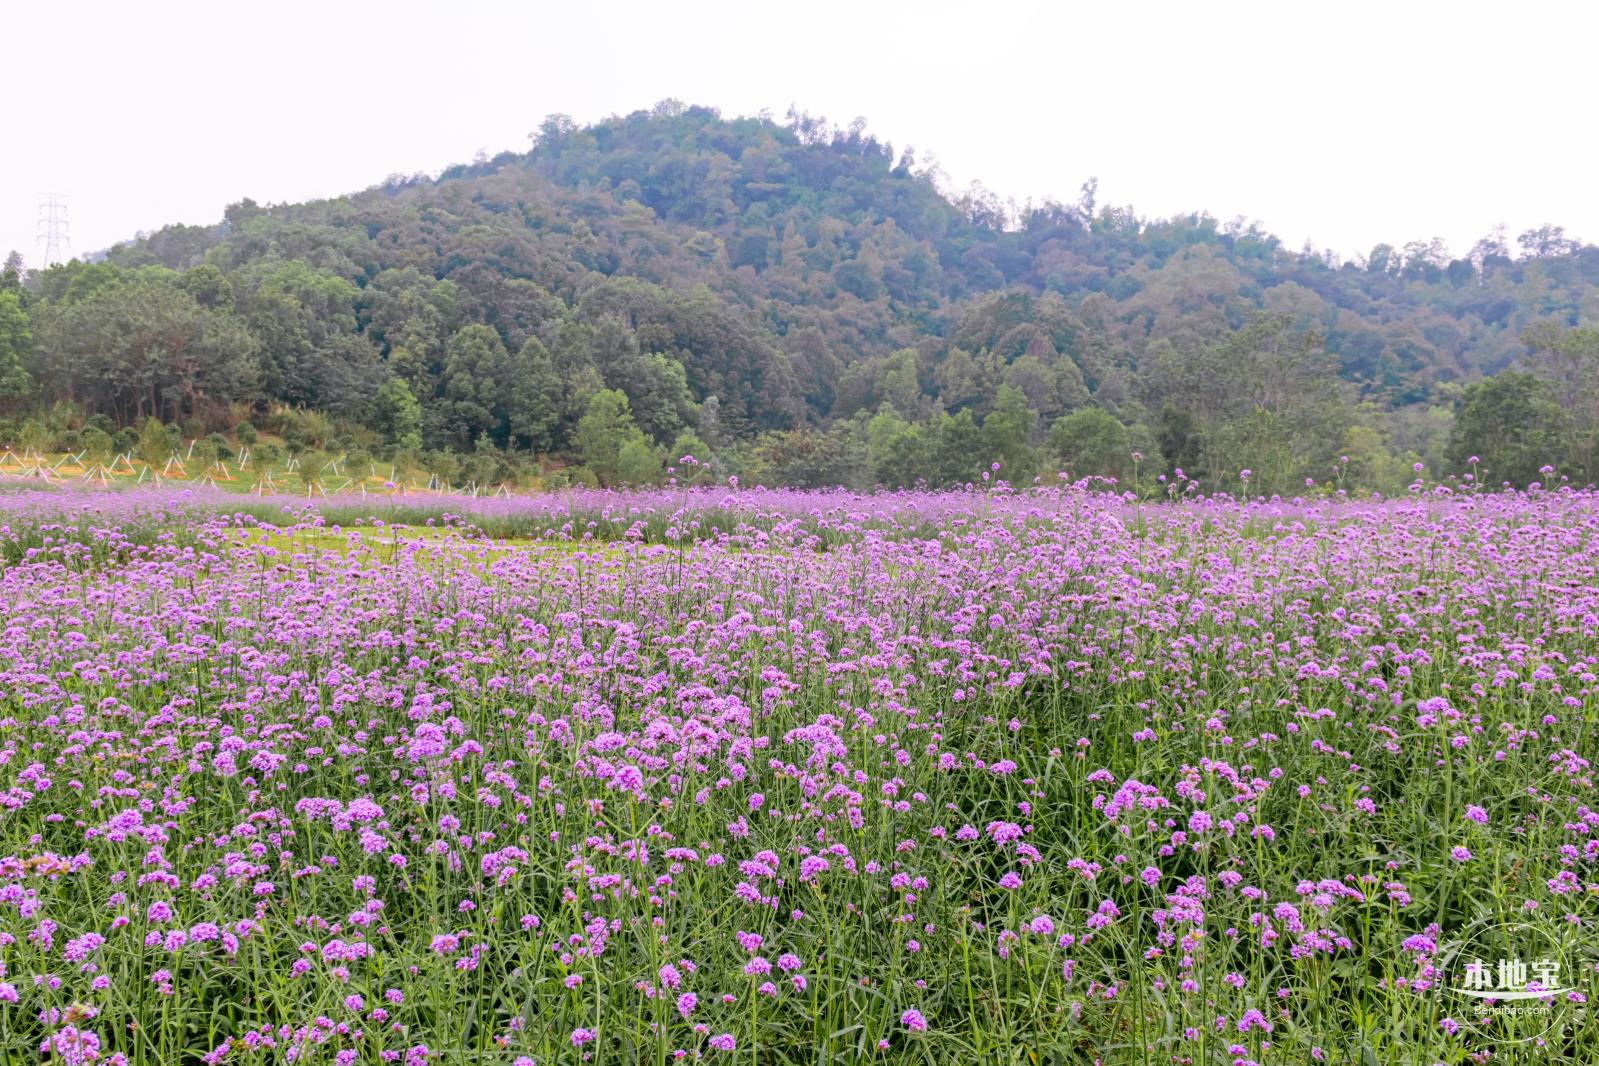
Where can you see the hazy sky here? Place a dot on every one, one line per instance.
(1344, 123)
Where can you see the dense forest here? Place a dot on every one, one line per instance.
(791, 302)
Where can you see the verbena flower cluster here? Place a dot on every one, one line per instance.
(790, 777)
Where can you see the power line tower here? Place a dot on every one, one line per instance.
(53, 235)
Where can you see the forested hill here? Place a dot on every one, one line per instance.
(801, 303)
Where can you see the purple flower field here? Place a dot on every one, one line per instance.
(775, 776)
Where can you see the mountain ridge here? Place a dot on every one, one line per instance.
(808, 277)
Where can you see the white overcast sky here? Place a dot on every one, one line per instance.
(1347, 123)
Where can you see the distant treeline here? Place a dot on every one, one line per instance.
(799, 304)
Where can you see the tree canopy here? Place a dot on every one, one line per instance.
(812, 307)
